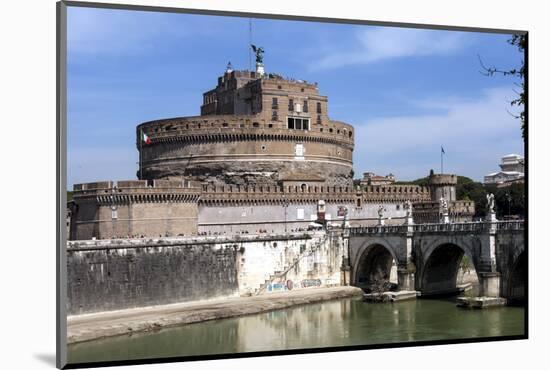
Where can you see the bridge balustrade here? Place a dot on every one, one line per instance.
(440, 227)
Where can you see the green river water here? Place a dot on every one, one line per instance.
(335, 323)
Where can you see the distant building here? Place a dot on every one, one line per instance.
(512, 171)
(370, 178)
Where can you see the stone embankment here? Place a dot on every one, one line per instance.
(106, 324)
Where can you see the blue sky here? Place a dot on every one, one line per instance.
(407, 92)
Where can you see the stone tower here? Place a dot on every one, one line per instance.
(442, 186)
(254, 128)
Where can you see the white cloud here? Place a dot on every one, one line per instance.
(474, 133)
(373, 45)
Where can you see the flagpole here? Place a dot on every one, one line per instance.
(249, 43)
(441, 161)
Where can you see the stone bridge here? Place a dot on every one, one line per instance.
(428, 256)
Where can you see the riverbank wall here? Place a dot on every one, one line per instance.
(117, 274)
(88, 327)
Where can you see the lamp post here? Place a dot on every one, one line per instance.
(509, 199)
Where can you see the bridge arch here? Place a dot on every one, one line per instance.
(517, 279)
(441, 265)
(375, 264)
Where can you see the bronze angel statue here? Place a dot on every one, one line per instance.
(259, 53)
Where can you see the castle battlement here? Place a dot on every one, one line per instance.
(443, 179)
(240, 128)
(396, 189)
(136, 191)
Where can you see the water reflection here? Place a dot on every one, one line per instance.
(336, 323)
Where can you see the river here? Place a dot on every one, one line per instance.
(329, 324)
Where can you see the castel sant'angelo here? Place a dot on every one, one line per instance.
(262, 156)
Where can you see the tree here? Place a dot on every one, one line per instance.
(510, 200)
(520, 41)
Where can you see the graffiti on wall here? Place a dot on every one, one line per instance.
(310, 283)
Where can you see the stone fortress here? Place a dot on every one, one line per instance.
(261, 158)
(255, 196)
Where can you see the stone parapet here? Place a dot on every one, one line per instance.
(442, 179)
(381, 193)
(89, 245)
(463, 227)
(136, 191)
(240, 128)
(310, 193)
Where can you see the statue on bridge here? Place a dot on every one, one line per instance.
(491, 202)
(408, 208)
(381, 211)
(443, 205)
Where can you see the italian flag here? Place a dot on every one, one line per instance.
(144, 138)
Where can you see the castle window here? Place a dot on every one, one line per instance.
(114, 214)
(350, 134)
(298, 123)
(275, 103)
(397, 207)
(290, 105)
(263, 147)
(319, 107)
(275, 116)
(306, 109)
(225, 124)
(270, 125)
(358, 202)
(318, 119)
(279, 87)
(255, 124)
(330, 130)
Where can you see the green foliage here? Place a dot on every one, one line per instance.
(520, 41)
(513, 196)
(470, 190)
(467, 189)
(423, 181)
(510, 200)
(465, 263)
